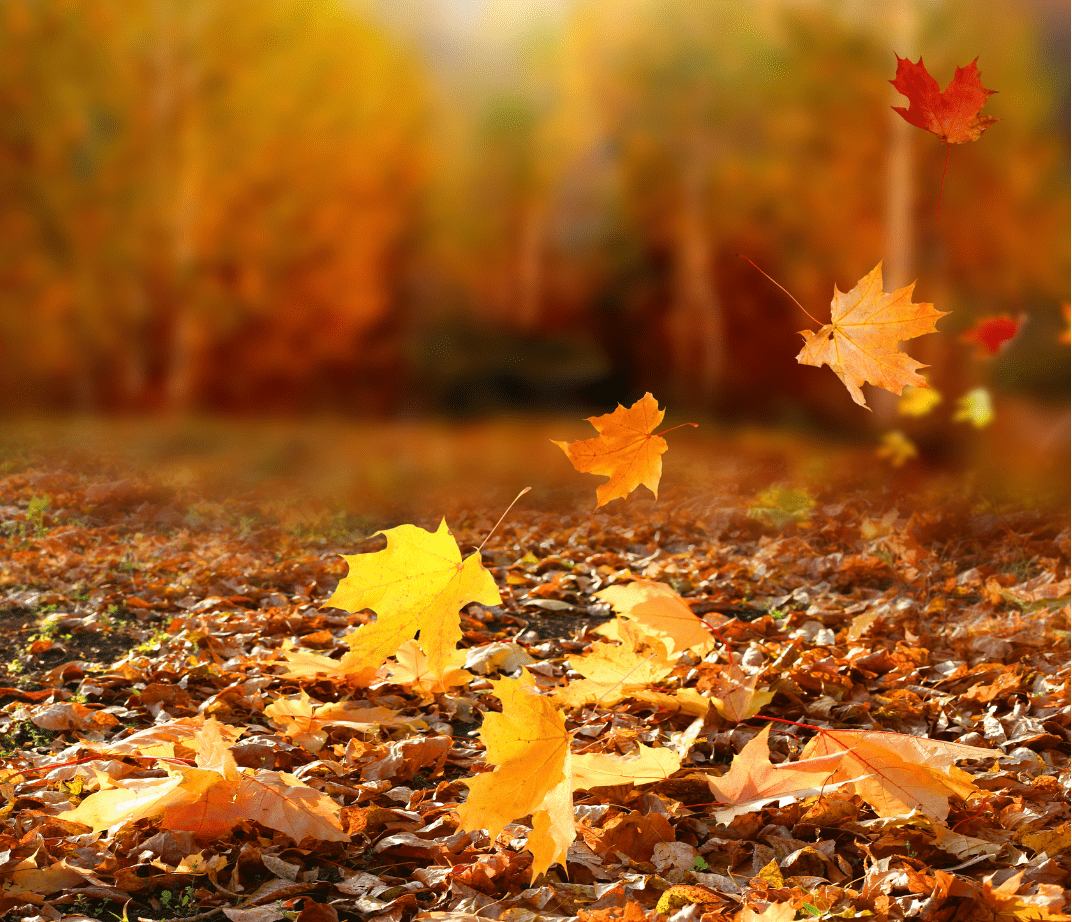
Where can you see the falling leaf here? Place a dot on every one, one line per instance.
(529, 747)
(992, 334)
(897, 773)
(897, 448)
(976, 408)
(860, 342)
(658, 612)
(951, 114)
(918, 401)
(417, 584)
(625, 450)
(534, 773)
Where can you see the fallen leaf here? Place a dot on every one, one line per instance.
(658, 611)
(951, 114)
(411, 668)
(753, 781)
(625, 450)
(302, 719)
(212, 798)
(535, 774)
(897, 773)
(860, 342)
(735, 696)
(417, 584)
(612, 671)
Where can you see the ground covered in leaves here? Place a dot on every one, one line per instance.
(138, 609)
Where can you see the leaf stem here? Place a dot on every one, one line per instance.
(672, 428)
(948, 148)
(501, 517)
(795, 301)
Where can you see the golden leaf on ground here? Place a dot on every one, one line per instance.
(302, 719)
(860, 344)
(411, 668)
(612, 671)
(417, 584)
(625, 450)
(658, 611)
(535, 772)
(735, 696)
(897, 773)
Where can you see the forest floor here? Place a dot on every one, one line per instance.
(150, 590)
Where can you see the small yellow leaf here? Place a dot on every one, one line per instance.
(976, 408)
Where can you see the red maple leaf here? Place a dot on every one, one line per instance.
(993, 333)
(951, 114)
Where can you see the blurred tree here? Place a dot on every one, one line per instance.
(206, 201)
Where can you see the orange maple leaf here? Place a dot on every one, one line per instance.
(535, 772)
(753, 781)
(625, 450)
(659, 612)
(210, 799)
(897, 773)
(860, 342)
(417, 584)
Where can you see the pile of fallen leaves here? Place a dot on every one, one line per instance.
(788, 703)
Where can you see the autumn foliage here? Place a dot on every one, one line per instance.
(727, 707)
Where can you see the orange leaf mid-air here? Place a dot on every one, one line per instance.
(951, 114)
(535, 772)
(418, 583)
(860, 342)
(625, 450)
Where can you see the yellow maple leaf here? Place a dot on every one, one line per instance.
(659, 612)
(860, 342)
(535, 772)
(417, 584)
(625, 450)
(735, 695)
(613, 671)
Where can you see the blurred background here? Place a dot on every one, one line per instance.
(458, 208)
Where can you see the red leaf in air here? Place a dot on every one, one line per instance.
(993, 333)
(953, 113)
